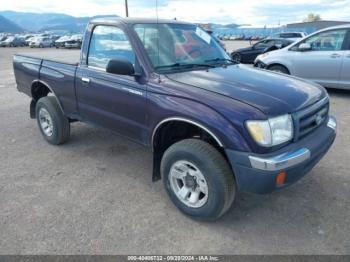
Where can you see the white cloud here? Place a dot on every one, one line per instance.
(270, 12)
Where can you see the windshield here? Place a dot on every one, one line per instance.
(180, 46)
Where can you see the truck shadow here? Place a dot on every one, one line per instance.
(338, 92)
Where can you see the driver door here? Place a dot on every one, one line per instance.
(322, 63)
(117, 102)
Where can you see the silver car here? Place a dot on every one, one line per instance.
(41, 42)
(323, 57)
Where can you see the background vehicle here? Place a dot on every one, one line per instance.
(60, 42)
(214, 127)
(323, 57)
(248, 54)
(41, 42)
(12, 41)
(74, 41)
(27, 39)
(293, 36)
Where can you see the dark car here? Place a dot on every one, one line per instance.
(214, 127)
(247, 55)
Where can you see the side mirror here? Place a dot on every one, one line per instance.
(304, 47)
(120, 67)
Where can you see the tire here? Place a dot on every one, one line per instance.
(48, 112)
(236, 57)
(200, 158)
(279, 69)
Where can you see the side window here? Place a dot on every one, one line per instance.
(327, 41)
(262, 44)
(270, 43)
(108, 42)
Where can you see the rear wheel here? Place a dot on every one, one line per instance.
(53, 124)
(279, 69)
(198, 179)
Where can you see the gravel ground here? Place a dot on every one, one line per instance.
(94, 195)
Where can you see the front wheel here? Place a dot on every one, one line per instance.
(198, 179)
(279, 69)
(53, 124)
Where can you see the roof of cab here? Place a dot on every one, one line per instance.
(129, 20)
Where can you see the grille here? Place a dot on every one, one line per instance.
(306, 120)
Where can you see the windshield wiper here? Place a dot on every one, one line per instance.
(179, 65)
(218, 59)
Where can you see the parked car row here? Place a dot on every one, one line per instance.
(41, 40)
(294, 36)
(240, 37)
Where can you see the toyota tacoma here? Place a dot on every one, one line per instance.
(215, 127)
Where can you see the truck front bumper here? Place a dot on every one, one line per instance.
(260, 173)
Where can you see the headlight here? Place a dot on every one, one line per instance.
(271, 132)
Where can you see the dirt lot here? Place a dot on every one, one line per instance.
(94, 195)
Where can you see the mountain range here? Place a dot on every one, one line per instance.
(14, 22)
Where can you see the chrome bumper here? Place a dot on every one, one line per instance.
(287, 159)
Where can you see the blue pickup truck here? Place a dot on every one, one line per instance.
(215, 127)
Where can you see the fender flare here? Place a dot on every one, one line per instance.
(33, 102)
(182, 119)
(48, 87)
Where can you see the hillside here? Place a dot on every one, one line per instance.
(35, 22)
(8, 26)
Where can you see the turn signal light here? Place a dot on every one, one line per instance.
(280, 178)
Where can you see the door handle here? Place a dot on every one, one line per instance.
(335, 56)
(85, 79)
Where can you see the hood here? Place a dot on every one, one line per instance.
(272, 93)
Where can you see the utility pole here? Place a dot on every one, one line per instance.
(126, 8)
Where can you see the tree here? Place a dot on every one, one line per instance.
(312, 18)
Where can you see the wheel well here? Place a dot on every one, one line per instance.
(174, 131)
(276, 64)
(38, 91)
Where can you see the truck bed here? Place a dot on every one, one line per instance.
(55, 55)
(55, 70)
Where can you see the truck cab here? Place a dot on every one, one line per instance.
(215, 127)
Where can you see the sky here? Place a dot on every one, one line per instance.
(253, 12)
